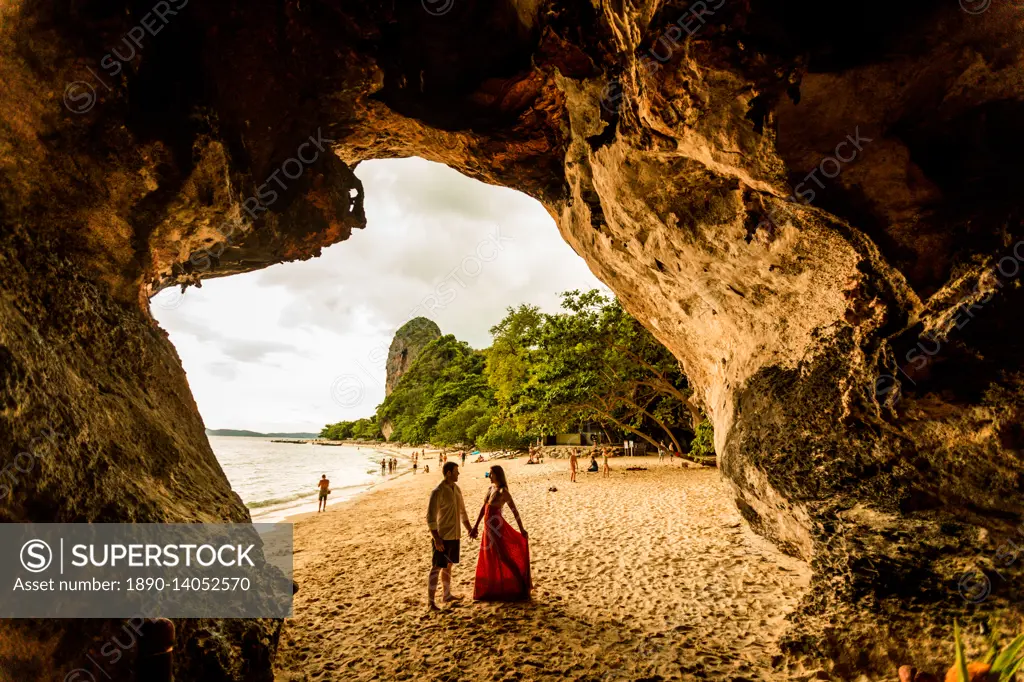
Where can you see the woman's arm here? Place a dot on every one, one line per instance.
(515, 513)
(476, 526)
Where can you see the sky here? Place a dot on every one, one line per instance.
(299, 345)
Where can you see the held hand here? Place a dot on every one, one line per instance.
(438, 545)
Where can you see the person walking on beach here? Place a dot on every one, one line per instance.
(463, 458)
(503, 566)
(445, 512)
(604, 461)
(572, 465)
(382, 467)
(325, 490)
(415, 465)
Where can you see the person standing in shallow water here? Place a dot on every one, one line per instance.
(325, 490)
(445, 511)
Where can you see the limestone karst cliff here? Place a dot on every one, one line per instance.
(405, 347)
(814, 206)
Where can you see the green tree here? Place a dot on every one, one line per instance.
(464, 424)
(360, 429)
(703, 444)
(543, 374)
(511, 372)
(591, 362)
(446, 374)
(501, 436)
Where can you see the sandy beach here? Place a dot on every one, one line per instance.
(641, 575)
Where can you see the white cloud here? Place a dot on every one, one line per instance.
(263, 349)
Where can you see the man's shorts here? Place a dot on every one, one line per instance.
(323, 494)
(450, 555)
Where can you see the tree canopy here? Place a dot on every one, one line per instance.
(543, 374)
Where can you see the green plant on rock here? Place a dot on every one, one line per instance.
(703, 445)
(999, 665)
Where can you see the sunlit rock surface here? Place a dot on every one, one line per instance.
(405, 347)
(815, 207)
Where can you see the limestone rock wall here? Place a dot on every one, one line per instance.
(814, 207)
(405, 347)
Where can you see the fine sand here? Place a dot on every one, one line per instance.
(641, 575)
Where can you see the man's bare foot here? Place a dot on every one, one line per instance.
(451, 598)
(432, 607)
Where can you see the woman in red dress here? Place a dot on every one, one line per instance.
(503, 569)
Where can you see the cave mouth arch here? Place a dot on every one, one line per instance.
(669, 178)
(295, 346)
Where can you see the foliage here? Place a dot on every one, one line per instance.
(360, 429)
(510, 362)
(998, 666)
(544, 374)
(502, 436)
(464, 424)
(591, 362)
(703, 444)
(446, 374)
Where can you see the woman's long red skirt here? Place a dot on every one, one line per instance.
(503, 569)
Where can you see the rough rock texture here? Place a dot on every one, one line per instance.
(405, 347)
(855, 348)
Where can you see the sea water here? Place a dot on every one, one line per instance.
(276, 480)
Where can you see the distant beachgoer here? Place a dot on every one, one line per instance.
(503, 566)
(572, 465)
(445, 512)
(383, 466)
(325, 490)
(661, 451)
(593, 462)
(463, 458)
(604, 459)
(426, 468)
(415, 464)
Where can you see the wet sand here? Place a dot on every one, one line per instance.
(641, 575)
